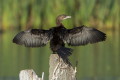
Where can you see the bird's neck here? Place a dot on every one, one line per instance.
(58, 22)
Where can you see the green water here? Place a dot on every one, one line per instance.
(99, 61)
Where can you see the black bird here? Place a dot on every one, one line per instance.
(58, 36)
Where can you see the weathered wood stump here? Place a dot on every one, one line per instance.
(59, 70)
(29, 75)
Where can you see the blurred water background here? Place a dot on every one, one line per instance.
(99, 61)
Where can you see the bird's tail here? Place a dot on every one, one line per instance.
(64, 52)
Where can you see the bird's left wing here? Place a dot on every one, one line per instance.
(33, 37)
(83, 35)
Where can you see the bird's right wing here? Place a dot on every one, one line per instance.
(33, 38)
(83, 35)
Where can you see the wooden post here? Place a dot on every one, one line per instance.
(29, 75)
(59, 70)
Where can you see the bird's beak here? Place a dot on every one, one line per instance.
(67, 17)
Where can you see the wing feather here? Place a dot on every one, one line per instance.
(83, 35)
(33, 38)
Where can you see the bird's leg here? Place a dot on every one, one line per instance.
(59, 59)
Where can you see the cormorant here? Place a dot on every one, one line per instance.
(58, 36)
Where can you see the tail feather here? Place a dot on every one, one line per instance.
(64, 53)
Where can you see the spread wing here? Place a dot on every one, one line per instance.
(33, 38)
(83, 35)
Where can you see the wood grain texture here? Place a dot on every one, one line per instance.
(58, 70)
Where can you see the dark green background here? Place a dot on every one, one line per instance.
(99, 61)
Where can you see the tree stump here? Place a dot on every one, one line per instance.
(59, 70)
(29, 75)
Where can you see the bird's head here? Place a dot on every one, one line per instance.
(61, 17)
